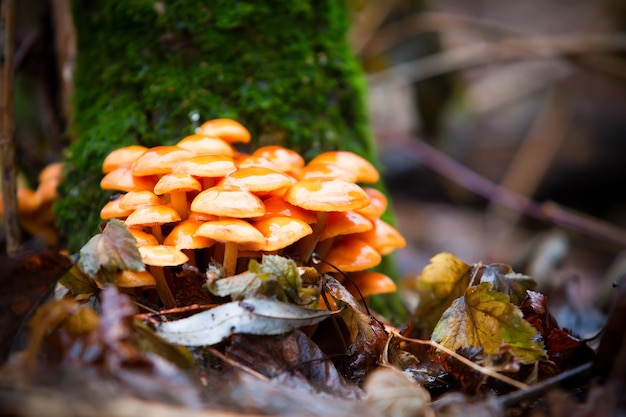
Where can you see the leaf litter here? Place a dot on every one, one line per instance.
(297, 334)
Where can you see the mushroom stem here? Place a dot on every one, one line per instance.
(165, 294)
(179, 203)
(323, 248)
(156, 232)
(230, 258)
(305, 246)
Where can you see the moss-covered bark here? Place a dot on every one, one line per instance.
(149, 71)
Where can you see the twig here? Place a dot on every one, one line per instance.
(470, 180)
(484, 53)
(237, 365)
(7, 146)
(485, 371)
(542, 387)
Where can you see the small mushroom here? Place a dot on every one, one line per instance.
(158, 257)
(112, 210)
(122, 179)
(159, 160)
(383, 237)
(134, 279)
(206, 145)
(258, 180)
(280, 232)
(153, 217)
(132, 200)
(377, 206)
(370, 283)
(207, 167)
(340, 223)
(227, 129)
(231, 232)
(122, 158)
(286, 160)
(276, 206)
(228, 201)
(184, 237)
(323, 195)
(350, 254)
(176, 185)
(362, 168)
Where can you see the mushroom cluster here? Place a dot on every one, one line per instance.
(203, 197)
(35, 206)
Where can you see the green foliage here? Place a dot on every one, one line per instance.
(149, 72)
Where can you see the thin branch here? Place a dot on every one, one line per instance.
(7, 127)
(484, 53)
(479, 185)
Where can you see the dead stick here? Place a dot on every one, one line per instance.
(7, 146)
(479, 185)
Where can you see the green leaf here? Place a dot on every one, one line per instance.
(443, 280)
(237, 286)
(112, 250)
(504, 280)
(486, 319)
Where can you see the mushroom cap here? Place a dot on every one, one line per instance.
(162, 255)
(371, 283)
(344, 223)
(122, 179)
(143, 238)
(327, 170)
(228, 201)
(350, 254)
(226, 129)
(326, 194)
(206, 166)
(206, 145)
(231, 230)
(257, 179)
(52, 171)
(112, 210)
(362, 168)
(246, 161)
(377, 206)
(276, 206)
(160, 160)
(132, 200)
(203, 217)
(183, 236)
(152, 216)
(122, 157)
(280, 232)
(285, 159)
(134, 279)
(383, 237)
(176, 181)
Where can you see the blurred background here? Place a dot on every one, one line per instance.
(501, 128)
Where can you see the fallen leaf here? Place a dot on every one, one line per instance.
(504, 280)
(442, 281)
(294, 360)
(110, 251)
(252, 316)
(391, 393)
(486, 319)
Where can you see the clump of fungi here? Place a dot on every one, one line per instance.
(202, 200)
(34, 206)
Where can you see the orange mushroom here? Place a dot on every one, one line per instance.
(184, 237)
(153, 217)
(132, 200)
(377, 206)
(177, 185)
(208, 167)
(226, 129)
(340, 223)
(286, 160)
(362, 168)
(206, 145)
(228, 201)
(350, 254)
(158, 257)
(370, 283)
(122, 158)
(383, 237)
(231, 232)
(122, 179)
(280, 232)
(160, 160)
(112, 210)
(257, 179)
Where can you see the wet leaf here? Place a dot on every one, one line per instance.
(78, 282)
(392, 393)
(294, 359)
(252, 316)
(503, 279)
(110, 251)
(237, 287)
(442, 281)
(486, 319)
